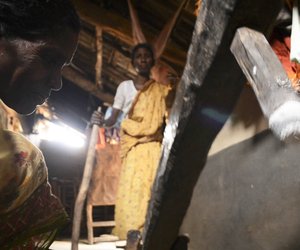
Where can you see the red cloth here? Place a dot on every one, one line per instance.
(281, 45)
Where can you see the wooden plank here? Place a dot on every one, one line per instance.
(269, 81)
(104, 223)
(107, 238)
(77, 78)
(207, 93)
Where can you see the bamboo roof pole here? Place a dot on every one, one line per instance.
(79, 79)
(99, 47)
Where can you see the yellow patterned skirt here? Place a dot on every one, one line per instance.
(137, 176)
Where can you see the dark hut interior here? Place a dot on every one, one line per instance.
(102, 59)
(199, 178)
(101, 62)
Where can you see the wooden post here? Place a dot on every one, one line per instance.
(88, 167)
(279, 102)
(99, 47)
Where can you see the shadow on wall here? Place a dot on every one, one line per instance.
(245, 121)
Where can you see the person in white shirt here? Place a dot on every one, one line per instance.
(126, 93)
(142, 59)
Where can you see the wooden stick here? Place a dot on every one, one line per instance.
(88, 167)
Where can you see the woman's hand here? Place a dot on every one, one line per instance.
(172, 78)
(97, 118)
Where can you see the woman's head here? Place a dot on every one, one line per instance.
(37, 38)
(142, 59)
(35, 19)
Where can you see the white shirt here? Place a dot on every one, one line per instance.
(125, 95)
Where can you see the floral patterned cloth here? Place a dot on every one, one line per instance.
(29, 213)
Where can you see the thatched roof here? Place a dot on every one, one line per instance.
(102, 59)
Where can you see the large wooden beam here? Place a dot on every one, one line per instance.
(77, 78)
(120, 27)
(209, 88)
(262, 68)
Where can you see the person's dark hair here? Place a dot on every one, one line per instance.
(34, 19)
(142, 45)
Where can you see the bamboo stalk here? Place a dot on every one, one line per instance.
(98, 66)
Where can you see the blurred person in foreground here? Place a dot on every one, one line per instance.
(37, 38)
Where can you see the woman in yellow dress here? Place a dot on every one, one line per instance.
(141, 137)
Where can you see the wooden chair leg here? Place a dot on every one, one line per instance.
(89, 218)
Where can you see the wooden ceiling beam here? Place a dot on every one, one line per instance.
(78, 79)
(121, 27)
